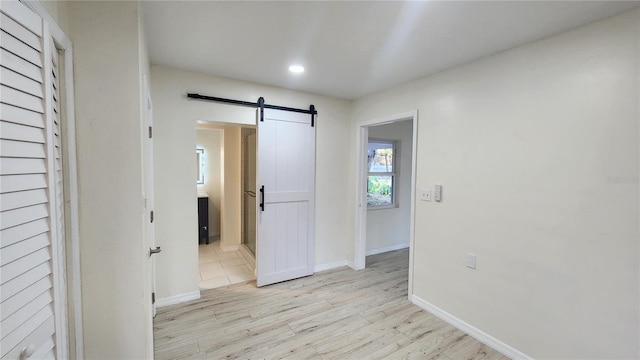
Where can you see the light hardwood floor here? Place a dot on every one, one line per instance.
(336, 314)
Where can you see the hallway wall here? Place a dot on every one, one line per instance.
(175, 140)
(537, 150)
(110, 64)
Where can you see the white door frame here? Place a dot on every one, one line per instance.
(362, 135)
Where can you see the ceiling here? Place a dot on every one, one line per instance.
(350, 49)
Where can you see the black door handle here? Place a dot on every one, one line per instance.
(262, 198)
(154, 251)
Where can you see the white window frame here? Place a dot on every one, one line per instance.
(394, 174)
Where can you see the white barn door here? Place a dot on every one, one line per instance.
(286, 196)
(32, 286)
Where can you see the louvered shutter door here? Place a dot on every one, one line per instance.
(26, 290)
(58, 199)
(57, 143)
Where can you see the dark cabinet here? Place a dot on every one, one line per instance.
(203, 220)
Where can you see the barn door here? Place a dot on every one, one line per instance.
(286, 193)
(32, 289)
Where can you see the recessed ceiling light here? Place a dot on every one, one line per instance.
(296, 69)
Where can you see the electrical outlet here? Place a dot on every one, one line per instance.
(425, 195)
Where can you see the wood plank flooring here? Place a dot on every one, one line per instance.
(335, 314)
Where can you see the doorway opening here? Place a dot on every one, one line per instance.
(223, 258)
(248, 159)
(385, 188)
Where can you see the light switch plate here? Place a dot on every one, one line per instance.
(437, 193)
(471, 261)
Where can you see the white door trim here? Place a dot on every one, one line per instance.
(73, 282)
(360, 241)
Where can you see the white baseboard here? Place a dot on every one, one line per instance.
(226, 248)
(350, 264)
(329, 266)
(177, 299)
(386, 249)
(471, 330)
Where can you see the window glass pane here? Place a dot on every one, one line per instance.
(379, 191)
(380, 157)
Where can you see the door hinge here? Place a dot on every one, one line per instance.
(150, 132)
(151, 216)
(153, 298)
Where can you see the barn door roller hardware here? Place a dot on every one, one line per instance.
(259, 104)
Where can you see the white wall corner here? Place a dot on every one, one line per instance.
(478, 334)
(177, 299)
(386, 249)
(329, 266)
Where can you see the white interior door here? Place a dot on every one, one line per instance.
(149, 199)
(286, 196)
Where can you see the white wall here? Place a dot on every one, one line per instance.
(108, 65)
(389, 228)
(58, 10)
(211, 141)
(537, 151)
(175, 139)
(232, 213)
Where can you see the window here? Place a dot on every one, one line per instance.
(381, 177)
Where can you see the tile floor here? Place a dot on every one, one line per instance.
(221, 268)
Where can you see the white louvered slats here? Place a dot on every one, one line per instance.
(22, 99)
(10, 306)
(18, 31)
(19, 48)
(24, 215)
(57, 168)
(23, 248)
(45, 351)
(17, 64)
(14, 166)
(13, 114)
(17, 267)
(24, 281)
(21, 132)
(21, 199)
(14, 321)
(22, 149)
(19, 233)
(37, 330)
(11, 183)
(29, 223)
(13, 79)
